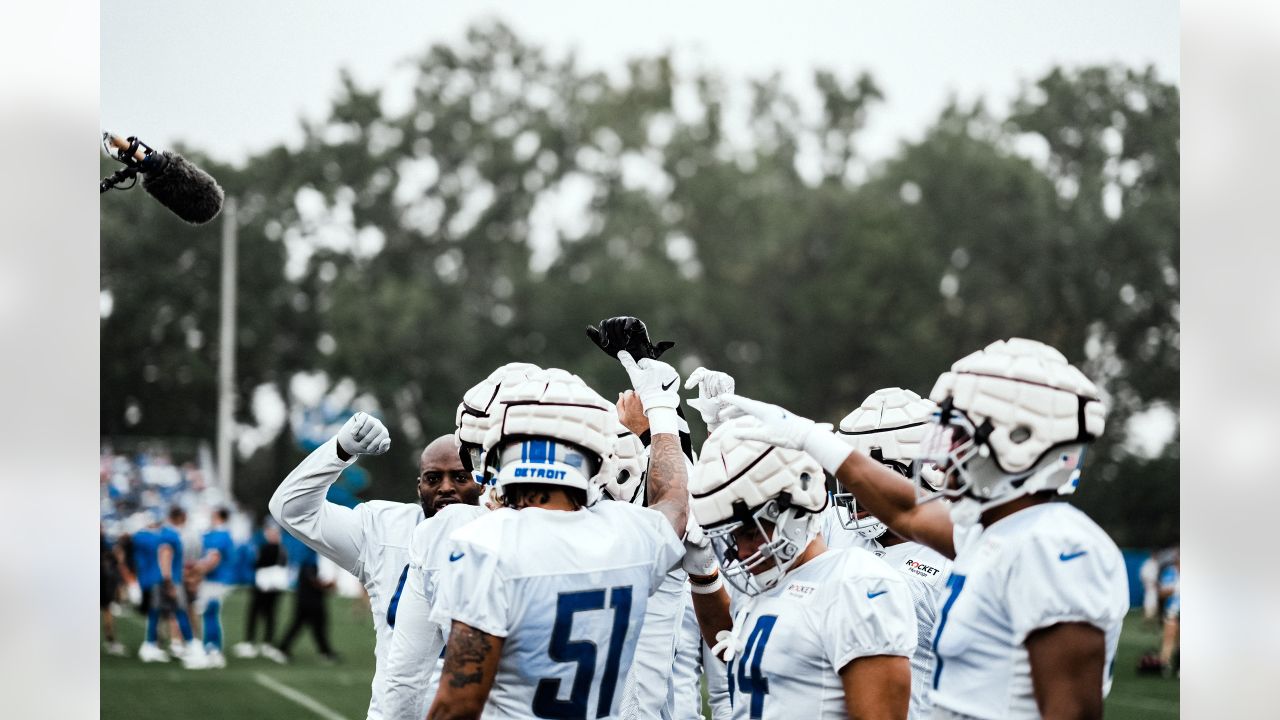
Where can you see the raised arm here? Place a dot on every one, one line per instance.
(892, 499)
(887, 495)
(658, 386)
(299, 503)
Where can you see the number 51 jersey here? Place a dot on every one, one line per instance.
(838, 607)
(567, 591)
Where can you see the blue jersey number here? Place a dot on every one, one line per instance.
(583, 652)
(754, 682)
(956, 583)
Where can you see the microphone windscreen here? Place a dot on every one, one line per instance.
(191, 193)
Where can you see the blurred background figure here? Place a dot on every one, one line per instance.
(309, 609)
(110, 581)
(217, 570)
(1170, 598)
(146, 544)
(270, 580)
(172, 598)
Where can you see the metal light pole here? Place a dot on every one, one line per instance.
(227, 349)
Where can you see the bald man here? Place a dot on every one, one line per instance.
(371, 540)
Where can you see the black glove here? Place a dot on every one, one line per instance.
(624, 332)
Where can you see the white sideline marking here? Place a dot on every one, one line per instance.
(302, 699)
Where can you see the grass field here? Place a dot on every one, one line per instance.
(310, 688)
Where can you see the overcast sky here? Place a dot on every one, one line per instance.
(233, 77)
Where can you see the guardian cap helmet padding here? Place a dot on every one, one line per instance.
(888, 426)
(551, 405)
(741, 482)
(1014, 419)
(475, 412)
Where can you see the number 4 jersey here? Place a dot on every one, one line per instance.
(836, 608)
(567, 591)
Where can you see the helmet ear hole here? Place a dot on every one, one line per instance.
(1020, 434)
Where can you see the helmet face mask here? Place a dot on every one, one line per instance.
(947, 447)
(784, 534)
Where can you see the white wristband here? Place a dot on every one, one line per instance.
(707, 589)
(663, 420)
(829, 450)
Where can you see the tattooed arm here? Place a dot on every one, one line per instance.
(470, 664)
(668, 480)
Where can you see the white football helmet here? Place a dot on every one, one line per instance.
(475, 412)
(888, 427)
(740, 482)
(1013, 419)
(624, 479)
(551, 428)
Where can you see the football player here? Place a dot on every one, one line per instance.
(810, 632)
(415, 659)
(545, 597)
(1038, 591)
(371, 540)
(888, 427)
(663, 681)
(171, 593)
(217, 567)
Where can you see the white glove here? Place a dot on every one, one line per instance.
(658, 385)
(364, 434)
(699, 559)
(712, 385)
(788, 430)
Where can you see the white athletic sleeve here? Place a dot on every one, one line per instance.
(1056, 580)
(873, 615)
(416, 640)
(415, 645)
(471, 588)
(717, 675)
(299, 505)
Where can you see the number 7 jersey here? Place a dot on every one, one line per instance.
(567, 591)
(836, 608)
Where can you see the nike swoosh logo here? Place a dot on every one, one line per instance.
(668, 385)
(872, 596)
(1065, 557)
(455, 556)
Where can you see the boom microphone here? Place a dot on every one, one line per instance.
(191, 193)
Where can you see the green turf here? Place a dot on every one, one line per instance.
(131, 690)
(134, 691)
(1134, 696)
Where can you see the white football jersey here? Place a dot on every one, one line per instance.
(650, 680)
(568, 592)
(838, 607)
(416, 656)
(1038, 567)
(926, 571)
(370, 541)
